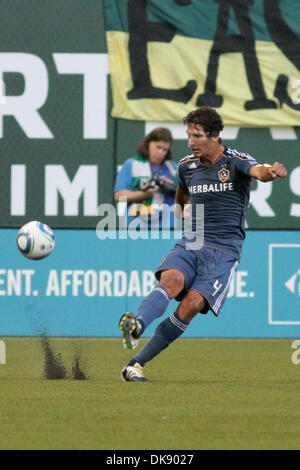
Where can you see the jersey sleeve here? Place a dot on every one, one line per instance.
(244, 164)
(181, 180)
(124, 177)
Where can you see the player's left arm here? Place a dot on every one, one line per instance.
(267, 172)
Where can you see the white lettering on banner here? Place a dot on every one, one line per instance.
(105, 280)
(16, 282)
(134, 286)
(104, 283)
(86, 181)
(53, 287)
(57, 182)
(18, 190)
(2, 92)
(25, 107)
(258, 199)
(120, 284)
(77, 281)
(295, 188)
(91, 283)
(94, 68)
(238, 284)
(148, 282)
(65, 280)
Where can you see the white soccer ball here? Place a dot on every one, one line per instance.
(35, 240)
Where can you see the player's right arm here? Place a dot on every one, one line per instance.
(182, 200)
(267, 172)
(182, 196)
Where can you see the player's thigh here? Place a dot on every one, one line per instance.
(182, 261)
(173, 281)
(213, 280)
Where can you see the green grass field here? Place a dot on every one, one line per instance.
(202, 394)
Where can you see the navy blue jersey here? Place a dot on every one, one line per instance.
(224, 189)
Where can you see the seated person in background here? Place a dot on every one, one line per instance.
(148, 180)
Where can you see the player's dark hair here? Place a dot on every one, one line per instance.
(206, 117)
(158, 134)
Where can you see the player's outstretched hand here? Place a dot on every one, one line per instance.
(277, 170)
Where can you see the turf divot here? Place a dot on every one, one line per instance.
(54, 368)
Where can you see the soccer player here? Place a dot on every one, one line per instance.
(215, 181)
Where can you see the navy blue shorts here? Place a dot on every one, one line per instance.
(209, 271)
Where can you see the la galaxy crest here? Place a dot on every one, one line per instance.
(223, 175)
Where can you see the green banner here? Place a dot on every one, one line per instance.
(240, 56)
(56, 132)
(61, 149)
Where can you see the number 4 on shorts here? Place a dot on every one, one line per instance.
(217, 286)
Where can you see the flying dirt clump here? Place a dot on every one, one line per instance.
(54, 368)
(77, 371)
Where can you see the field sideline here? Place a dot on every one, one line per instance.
(240, 394)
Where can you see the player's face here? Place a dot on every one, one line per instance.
(198, 140)
(158, 151)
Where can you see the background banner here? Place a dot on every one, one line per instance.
(61, 149)
(86, 284)
(239, 56)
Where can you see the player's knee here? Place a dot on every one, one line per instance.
(173, 281)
